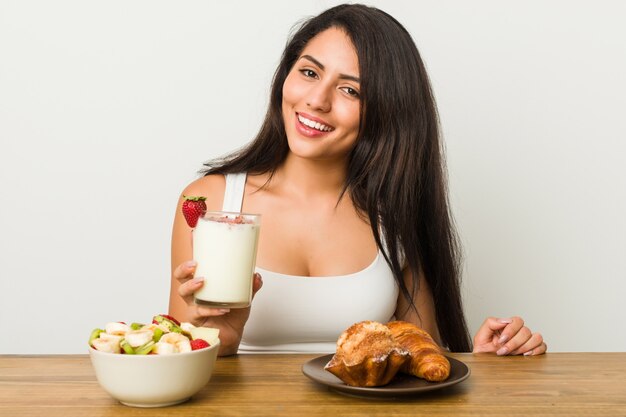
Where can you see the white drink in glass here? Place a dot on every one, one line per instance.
(225, 246)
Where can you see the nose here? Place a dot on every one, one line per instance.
(319, 97)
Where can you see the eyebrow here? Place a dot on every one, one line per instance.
(319, 64)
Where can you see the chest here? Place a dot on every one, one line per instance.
(322, 239)
(292, 306)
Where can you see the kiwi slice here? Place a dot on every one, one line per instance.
(95, 333)
(157, 335)
(169, 324)
(127, 347)
(145, 348)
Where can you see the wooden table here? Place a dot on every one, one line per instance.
(556, 384)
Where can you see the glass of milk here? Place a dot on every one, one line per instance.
(225, 246)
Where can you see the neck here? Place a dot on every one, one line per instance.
(309, 178)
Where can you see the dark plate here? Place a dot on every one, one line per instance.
(400, 385)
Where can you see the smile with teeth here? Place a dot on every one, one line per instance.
(314, 125)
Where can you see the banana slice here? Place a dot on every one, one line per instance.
(137, 338)
(187, 326)
(115, 337)
(173, 338)
(162, 348)
(116, 328)
(106, 345)
(153, 327)
(183, 346)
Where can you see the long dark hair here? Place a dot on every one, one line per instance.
(396, 175)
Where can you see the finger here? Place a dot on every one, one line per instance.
(185, 271)
(203, 311)
(519, 339)
(187, 290)
(511, 330)
(535, 341)
(257, 283)
(490, 327)
(539, 350)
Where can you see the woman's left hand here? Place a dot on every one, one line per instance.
(508, 337)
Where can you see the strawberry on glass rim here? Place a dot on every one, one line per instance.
(193, 208)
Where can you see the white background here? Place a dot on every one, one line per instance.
(108, 109)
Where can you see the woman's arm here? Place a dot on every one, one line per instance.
(182, 269)
(423, 315)
(183, 284)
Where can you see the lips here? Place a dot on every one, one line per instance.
(312, 126)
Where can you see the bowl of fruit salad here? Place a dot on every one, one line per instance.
(157, 364)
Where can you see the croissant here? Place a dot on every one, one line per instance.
(426, 358)
(367, 355)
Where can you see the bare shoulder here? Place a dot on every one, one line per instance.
(211, 186)
(257, 181)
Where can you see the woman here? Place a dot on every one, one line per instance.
(347, 172)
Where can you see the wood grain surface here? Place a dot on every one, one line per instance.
(556, 384)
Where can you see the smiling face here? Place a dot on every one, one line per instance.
(321, 103)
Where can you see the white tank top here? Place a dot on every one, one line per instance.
(298, 314)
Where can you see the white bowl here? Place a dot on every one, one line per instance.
(154, 380)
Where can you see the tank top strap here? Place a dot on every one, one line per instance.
(233, 194)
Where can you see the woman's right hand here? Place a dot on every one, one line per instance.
(230, 322)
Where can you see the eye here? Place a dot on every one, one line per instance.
(308, 73)
(351, 91)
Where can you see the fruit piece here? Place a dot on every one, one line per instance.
(162, 348)
(114, 337)
(173, 338)
(153, 326)
(193, 208)
(116, 328)
(178, 340)
(106, 345)
(184, 346)
(157, 334)
(186, 329)
(95, 333)
(170, 318)
(199, 344)
(165, 316)
(136, 326)
(209, 334)
(137, 338)
(145, 349)
(127, 347)
(168, 321)
(186, 326)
